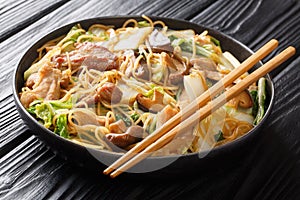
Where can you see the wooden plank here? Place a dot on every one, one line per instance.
(176, 9)
(32, 171)
(30, 11)
(13, 130)
(21, 177)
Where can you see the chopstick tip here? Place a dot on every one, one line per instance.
(107, 171)
(112, 175)
(289, 51)
(292, 49)
(115, 174)
(274, 42)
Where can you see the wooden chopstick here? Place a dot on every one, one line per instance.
(197, 103)
(206, 110)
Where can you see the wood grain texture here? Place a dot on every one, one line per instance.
(29, 12)
(32, 171)
(271, 169)
(13, 130)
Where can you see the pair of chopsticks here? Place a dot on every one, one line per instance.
(202, 106)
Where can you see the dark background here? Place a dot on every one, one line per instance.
(271, 169)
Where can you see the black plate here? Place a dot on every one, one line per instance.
(165, 166)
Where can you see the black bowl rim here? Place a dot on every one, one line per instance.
(116, 154)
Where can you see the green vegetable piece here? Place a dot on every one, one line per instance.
(90, 33)
(104, 35)
(187, 45)
(62, 105)
(261, 95)
(72, 38)
(124, 118)
(74, 78)
(142, 24)
(215, 41)
(32, 105)
(219, 136)
(172, 38)
(150, 92)
(253, 94)
(135, 116)
(31, 110)
(61, 126)
(72, 31)
(209, 82)
(45, 112)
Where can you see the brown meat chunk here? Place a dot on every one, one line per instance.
(204, 64)
(213, 75)
(109, 93)
(91, 55)
(176, 67)
(47, 87)
(176, 78)
(65, 80)
(32, 79)
(142, 71)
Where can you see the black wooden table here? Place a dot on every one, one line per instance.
(29, 170)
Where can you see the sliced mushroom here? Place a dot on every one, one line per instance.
(159, 42)
(118, 127)
(153, 105)
(170, 62)
(177, 68)
(133, 135)
(243, 100)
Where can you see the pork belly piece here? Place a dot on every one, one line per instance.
(91, 55)
(47, 86)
